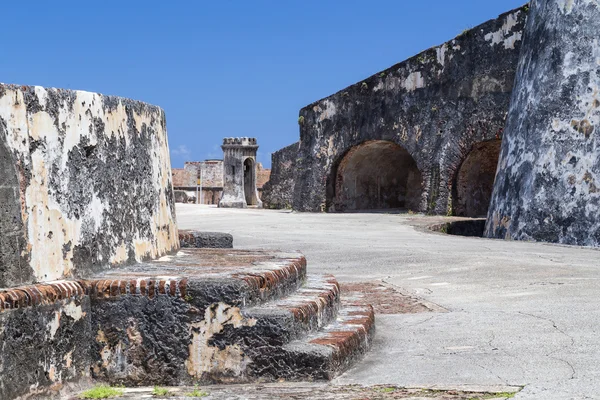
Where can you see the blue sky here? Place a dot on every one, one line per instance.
(224, 68)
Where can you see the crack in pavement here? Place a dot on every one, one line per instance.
(550, 354)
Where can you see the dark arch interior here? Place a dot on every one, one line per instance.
(475, 180)
(249, 181)
(376, 175)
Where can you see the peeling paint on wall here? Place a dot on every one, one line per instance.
(94, 179)
(206, 359)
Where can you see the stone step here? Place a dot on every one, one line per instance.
(198, 316)
(205, 240)
(280, 321)
(207, 276)
(321, 355)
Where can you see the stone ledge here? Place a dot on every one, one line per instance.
(205, 240)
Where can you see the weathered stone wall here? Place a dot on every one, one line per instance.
(262, 175)
(436, 105)
(45, 331)
(86, 183)
(212, 174)
(548, 176)
(183, 178)
(278, 191)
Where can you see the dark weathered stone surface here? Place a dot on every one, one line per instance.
(547, 184)
(14, 265)
(278, 192)
(139, 339)
(436, 106)
(44, 346)
(206, 240)
(90, 177)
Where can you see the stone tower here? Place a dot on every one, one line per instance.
(239, 173)
(548, 179)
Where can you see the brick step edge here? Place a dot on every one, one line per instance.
(324, 354)
(307, 310)
(260, 286)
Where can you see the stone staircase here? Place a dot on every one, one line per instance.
(198, 316)
(223, 316)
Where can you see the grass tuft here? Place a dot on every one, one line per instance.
(196, 393)
(158, 391)
(101, 392)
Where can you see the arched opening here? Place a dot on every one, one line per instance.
(475, 180)
(375, 175)
(249, 181)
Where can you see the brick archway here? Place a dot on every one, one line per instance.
(474, 181)
(375, 175)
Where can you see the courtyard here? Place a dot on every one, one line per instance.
(497, 316)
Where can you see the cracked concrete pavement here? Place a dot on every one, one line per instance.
(518, 314)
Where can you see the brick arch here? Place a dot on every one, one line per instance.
(474, 180)
(376, 174)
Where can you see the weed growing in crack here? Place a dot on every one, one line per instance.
(101, 392)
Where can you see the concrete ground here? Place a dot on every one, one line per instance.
(519, 314)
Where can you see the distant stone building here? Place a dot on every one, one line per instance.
(202, 181)
(239, 190)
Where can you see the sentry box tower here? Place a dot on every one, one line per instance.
(239, 173)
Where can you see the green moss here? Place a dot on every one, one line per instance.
(101, 392)
(364, 85)
(300, 120)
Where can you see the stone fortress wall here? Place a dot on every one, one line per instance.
(278, 190)
(86, 184)
(547, 187)
(399, 138)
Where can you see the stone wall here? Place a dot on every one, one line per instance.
(262, 175)
(183, 178)
(278, 191)
(45, 331)
(548, 176)
(437, 105)
(86, 184)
